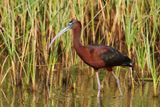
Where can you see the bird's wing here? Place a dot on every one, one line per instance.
(113, 57)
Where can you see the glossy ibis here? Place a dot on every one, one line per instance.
(95, 56)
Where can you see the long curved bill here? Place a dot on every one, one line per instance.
(59, 34)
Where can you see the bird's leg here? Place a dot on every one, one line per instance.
(99, 85)
(118, 83)
(98, 81)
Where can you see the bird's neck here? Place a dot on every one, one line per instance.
(76, 39)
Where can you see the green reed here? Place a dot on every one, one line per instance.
(153, 32)
(9, 39)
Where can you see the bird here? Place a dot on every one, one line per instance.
(96, 56)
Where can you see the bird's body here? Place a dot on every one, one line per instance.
(95, 56)
(102, 57)
(98, 56)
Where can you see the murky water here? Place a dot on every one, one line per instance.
(82, 92)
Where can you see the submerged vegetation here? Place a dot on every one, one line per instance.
(27, 27)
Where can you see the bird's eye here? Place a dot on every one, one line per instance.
(71, 21)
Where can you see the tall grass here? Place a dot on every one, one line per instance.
(26, 28)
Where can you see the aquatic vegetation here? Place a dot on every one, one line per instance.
(26, 28)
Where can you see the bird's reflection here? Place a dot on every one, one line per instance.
(100, 99)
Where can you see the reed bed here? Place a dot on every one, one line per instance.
(27, 27)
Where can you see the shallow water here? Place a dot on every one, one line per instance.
(82, 92)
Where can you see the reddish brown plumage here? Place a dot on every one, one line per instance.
(91, 56)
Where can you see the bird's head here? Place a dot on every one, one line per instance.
(73, 24)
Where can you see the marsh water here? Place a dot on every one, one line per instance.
(81, 91)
